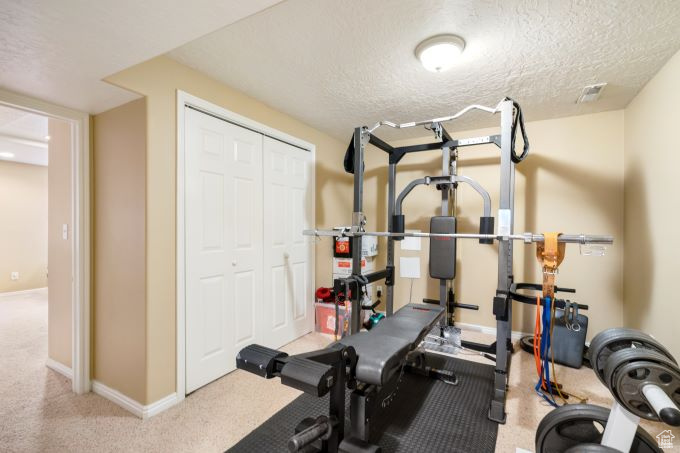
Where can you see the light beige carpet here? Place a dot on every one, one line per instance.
(39, 413)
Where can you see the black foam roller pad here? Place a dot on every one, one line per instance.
(486, 227)
(398, 222)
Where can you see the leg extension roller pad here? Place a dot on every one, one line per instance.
(307, 375)
(259, 360)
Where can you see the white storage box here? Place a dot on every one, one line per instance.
(343, 266)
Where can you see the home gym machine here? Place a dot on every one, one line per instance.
(372, 364)
(644, 379)
(443, 232)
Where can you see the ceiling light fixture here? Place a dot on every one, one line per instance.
(439, 53)
(6, 155)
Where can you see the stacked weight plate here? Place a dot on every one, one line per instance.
(629, 363)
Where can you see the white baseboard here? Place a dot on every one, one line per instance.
(132, 406)
(159, 406)
(59, 368)
(23, 292)
(514, 335)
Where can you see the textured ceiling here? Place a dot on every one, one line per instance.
(60, 51)
(24, 135)
(340, 64)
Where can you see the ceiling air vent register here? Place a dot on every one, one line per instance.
(591, 93)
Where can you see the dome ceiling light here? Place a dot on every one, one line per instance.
(439, 53)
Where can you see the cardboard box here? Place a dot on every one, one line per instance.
(343, 266)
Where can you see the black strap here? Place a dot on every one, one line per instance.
(349, 157)
(518, 117)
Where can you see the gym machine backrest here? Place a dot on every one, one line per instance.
(443, 250)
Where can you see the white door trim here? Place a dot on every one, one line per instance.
(185, 99)
(80, 219)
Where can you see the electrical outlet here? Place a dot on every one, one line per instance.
(379, 289)
(14, 276)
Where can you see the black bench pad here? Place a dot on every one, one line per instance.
(381, 350)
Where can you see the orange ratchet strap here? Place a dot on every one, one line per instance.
(550, 254)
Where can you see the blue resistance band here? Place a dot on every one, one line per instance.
(544, 351)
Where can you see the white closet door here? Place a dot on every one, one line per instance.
(223, 226)
(288, 287)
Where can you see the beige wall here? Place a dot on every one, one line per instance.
(572, 182)
(59, 250)
(23, 229)
(119, 312)
(652, 242)
(158, 80)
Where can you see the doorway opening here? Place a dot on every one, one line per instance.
(49, 146)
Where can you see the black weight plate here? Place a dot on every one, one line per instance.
(611, 340)
(575, 424)
(592, 448)
(628, 370)
(527, 343)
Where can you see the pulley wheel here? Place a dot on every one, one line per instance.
(628, 371)
(611, 340)
(572, 425)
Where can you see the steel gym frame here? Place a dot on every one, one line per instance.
(510, 113)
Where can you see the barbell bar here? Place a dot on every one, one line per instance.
(583, 239)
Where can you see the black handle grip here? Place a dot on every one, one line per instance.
(398, 225)
(670, 416)
(486, 227)
(309, 435)
(466, 306)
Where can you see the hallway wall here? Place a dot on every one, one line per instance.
(23, 229)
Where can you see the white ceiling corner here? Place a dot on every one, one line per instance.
(338, 65)
(60, 51)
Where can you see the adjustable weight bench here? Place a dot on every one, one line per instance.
(370, 363)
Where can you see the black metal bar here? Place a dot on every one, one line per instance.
(360, 413)
(417, 148)
(466, 306)
(357, 215)
(538, 287)
(373, 140)
(557, 303)
(336, 409)
(377, 275)
(446, 137)
(488, 348)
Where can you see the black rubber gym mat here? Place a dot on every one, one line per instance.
(427, 415)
